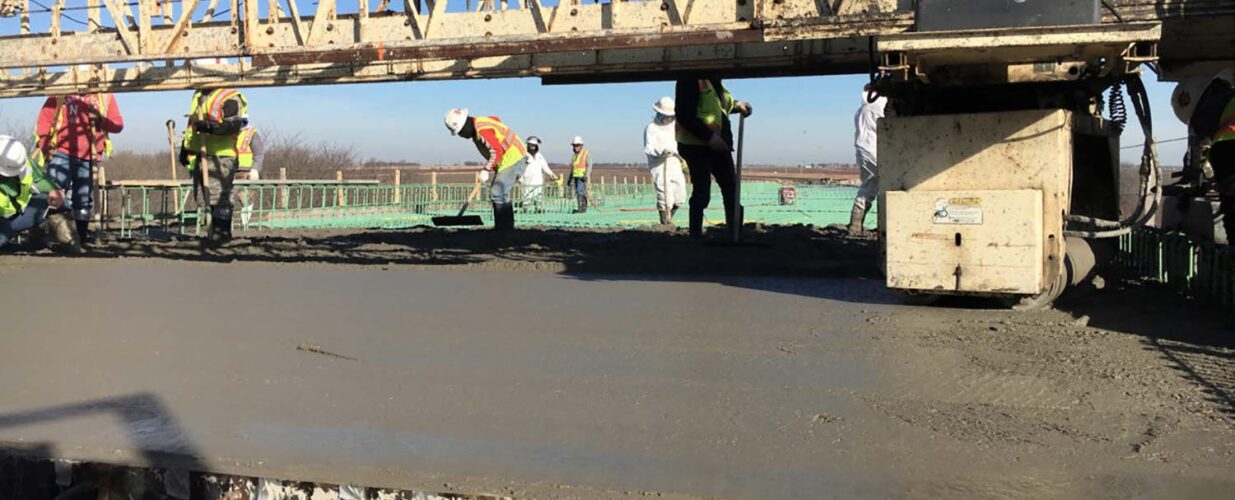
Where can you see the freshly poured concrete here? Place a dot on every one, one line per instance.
(536, 384)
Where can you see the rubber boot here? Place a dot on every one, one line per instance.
(582, 205)
(508, 216)
(83, 231)
(696, 223)
(665, 218)
(497, 216)
(856, 217)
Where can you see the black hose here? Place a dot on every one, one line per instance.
(1118, 111)
(1150, 194)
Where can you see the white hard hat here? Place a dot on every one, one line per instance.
(1189, 92)
(12, 157)
(578, 141)
(455, 119)
(533, 141)
(664, 106)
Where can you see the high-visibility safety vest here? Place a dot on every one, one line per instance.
(513, 149)
(244, 147)
(578, 164)
(101, 101)
(207, 107)
(1226, 124)
(13, 198)
(711, 110)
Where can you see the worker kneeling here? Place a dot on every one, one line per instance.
(26, 194)
(212, 141)
(505, 154)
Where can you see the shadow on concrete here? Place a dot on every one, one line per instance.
(154, 434)
(633, 254)
(1194, 338)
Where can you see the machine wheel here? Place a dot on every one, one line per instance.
(1042, 300)
(917, 298)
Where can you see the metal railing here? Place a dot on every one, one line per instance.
(1196, 268)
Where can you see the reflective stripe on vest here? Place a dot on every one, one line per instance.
(1226, 124)
(578, 164)
(512, 148)
(711, 110)
(244, 147)
(10, 207)
(199, 110)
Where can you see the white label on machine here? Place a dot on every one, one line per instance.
(958, 211)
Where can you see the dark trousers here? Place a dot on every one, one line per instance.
(704, 164)
(32, 215)
(1222, 159)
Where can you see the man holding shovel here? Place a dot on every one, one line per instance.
(210, 152)
(505, 154)
(705, 141)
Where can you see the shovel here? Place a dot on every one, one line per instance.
(462, 220)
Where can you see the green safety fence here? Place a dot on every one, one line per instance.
(315, 205)
(1196, 268)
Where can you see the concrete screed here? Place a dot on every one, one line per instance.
(548, 384)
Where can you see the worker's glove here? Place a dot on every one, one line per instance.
(484, 176)
(717, 144)
(744, 108)
(55, 199)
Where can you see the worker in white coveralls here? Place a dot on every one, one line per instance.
(865, 122)
(534, 176)
(661, 146)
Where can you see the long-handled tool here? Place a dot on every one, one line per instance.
(462, 220)
(738, 210)
(171, 144)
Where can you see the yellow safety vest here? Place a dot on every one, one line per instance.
(10, 206)
(513, 146)
(244, 147)
(208, 108)
(578, 164)
(711, 109)
(1226, 124)
(101, 102)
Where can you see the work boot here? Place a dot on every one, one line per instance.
(665, 218)
(219, 233)
(582, 206)
(856, 217)
(83, 231)
(62, 233)
(503, 216)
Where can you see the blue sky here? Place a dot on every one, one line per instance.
(796, 120)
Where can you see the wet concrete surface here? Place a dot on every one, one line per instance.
(538, 384)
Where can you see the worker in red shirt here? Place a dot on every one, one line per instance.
(72, 135)
(505, 154)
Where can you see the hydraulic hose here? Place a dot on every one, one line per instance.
(1150, 194)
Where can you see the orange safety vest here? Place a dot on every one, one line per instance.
(1226, 124)
(578, 164)
(513, 149)
(244, 147)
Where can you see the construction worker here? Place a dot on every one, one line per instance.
(26, 194)
(1207, 105)
(250, 154)
(661, 147)
(580, 173)
(72, 136)
(505, 155)
(864, 123)
(212, 141)
(705, 141)
(533, 178)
